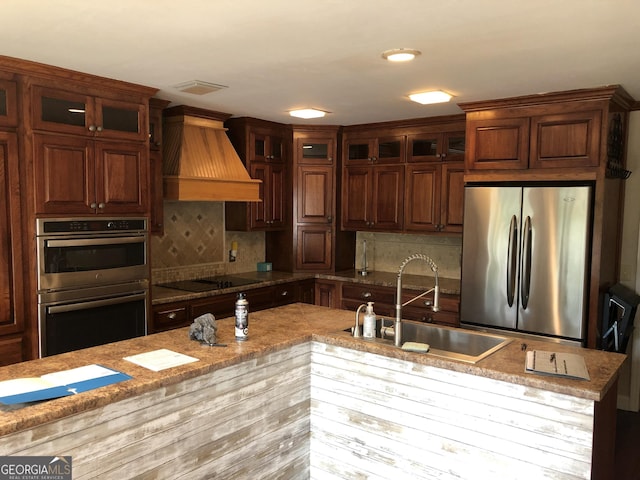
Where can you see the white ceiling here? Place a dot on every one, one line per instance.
(276, 55)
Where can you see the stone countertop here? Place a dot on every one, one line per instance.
(507, 364)
(162, 295)
(272, 330)
(269, 331)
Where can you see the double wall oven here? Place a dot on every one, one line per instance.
(93, 281)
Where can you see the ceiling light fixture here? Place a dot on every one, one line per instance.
(198, 87)
(400, 54)
(307, 113)
(426, 98)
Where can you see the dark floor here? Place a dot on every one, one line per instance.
(627, 446)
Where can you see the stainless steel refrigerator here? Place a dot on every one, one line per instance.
(525, 259)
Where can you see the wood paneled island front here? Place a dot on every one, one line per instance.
(303, 399)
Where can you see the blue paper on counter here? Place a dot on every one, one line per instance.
(58, 384)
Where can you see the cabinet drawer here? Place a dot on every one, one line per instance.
(169, 316)
(368, 293)
(284, 294)
(220, 306)
(260, 298)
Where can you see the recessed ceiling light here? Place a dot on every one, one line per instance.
(307, 113)
(435, 96)
(400, 54)
(198, 87)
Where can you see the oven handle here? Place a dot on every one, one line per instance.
(94, 241)
(95, 303)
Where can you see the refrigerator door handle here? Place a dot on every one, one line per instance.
(511, 260)
(526, 263)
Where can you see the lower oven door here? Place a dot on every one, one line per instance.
(90, 319)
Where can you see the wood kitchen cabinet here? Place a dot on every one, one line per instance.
(262, 147)
(404, 176)
(174, 315)
(169, 316)
(374, 149)
(311, 240)
(156, 217)
(557, 139)
(434, 197)
(436, 146)
(78, 113)
(373, 197)
(101, 162)
(355, 294)
(421, 309)
(373, 180)
(268, 214)
(8, 102)
(327, 293)
(12, 299)
(76, 175)
(314, 201)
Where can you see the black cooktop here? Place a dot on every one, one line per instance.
(209, 283)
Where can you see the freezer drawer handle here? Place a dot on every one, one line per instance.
(526, 263)
(511, 260)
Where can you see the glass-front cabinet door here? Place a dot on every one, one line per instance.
(455, 146)
(8, 113)
(265, 147)
(317, 151)
(437, 147)
(375, 150)
(68, 112)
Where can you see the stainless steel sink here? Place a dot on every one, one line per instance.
(454, 343)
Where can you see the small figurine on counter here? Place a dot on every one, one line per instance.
(204, 329)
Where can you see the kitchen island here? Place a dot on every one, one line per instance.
(303, 399)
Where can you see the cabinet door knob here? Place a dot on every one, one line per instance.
(172, 316)
(101, 205)
(92, 128)
(93, 205)
(329, 219)
(285, 293)
(366, 294)
(99, 128)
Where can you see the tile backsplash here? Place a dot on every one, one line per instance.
(195, 244)
(386, 251)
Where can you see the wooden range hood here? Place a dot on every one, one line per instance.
(199, 162)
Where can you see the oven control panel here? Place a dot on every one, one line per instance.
(53, 226)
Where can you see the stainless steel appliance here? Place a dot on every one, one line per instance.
(80, 252)
(93, 281)
(525, 259)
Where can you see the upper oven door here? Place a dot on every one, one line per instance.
(76, 261)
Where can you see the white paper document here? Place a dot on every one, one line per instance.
(570, 365)
(162, 359)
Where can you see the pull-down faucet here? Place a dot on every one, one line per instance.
(436, 294)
